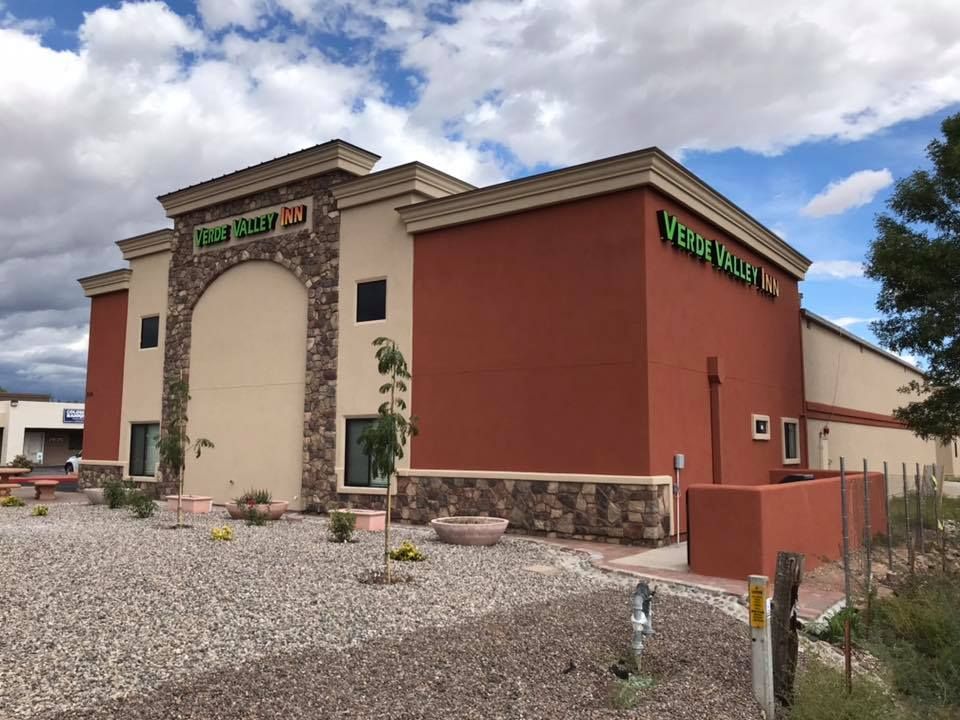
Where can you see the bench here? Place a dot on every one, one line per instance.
(6, 488)
(45, 489)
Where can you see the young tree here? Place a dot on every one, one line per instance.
(916, 259)
(174, 443)
(383, 441)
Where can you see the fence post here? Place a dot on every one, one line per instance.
(908, 536)
(886, 506)
(762, 658)
(919, 483)
(868, 542)
(786, 593)
(846, 530)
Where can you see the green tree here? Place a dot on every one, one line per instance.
(916, 259)
(174, 443)
(384, 440)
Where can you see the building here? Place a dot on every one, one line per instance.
(569, 335)
(45, 432)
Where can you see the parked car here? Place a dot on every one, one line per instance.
(72, 465)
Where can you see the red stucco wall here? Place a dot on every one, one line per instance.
(528, 342)
(695, 311)
(737, 531)
(105, 356)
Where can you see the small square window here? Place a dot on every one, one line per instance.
(371, 300)
(149, 332)
(791, 441)
(761, 426)
(357, 471)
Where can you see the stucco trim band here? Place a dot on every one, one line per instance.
(317, 160)
(833, 413)
(546, 477)
(108, 282)
(401, 180)
(650, 167)
(147, 244)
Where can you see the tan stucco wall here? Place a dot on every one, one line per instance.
(247, 367)
(143, 369)
(841, 373)
(373, 244)
(838, 371)
(30, 415)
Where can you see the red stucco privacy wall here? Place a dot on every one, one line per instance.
(528, 342)
(105, 356)
(736, 531)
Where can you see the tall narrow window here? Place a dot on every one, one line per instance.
(371, 300)
(356, 471)
(149, 332)
(143, 449)
(791, 441)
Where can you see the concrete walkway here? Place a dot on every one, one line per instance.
(669, 564)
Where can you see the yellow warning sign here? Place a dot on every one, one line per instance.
(758, 606)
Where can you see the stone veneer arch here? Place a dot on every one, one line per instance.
(312, 255)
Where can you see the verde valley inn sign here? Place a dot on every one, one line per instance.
(261, 223)
(716, 253)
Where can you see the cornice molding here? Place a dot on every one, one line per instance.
(149, 243)
(108, 282)
(333, 155)
(649, 167)
(413, 177)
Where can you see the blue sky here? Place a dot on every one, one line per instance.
(802, 116)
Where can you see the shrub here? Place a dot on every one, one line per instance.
(407, 552)
(224, 533)
(255, 517)
(821, 694)
(342, 525)
(12, 501)
(40, 511)
(625, 694)
(21, 461)
(831, 630)
(141, 505)
(115, 493)
(254, 497)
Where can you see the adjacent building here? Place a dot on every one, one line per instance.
(46, 433)
(570, 334)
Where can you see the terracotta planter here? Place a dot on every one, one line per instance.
(94, 495)
(190, 503)
(369, 520)
(470, 530)
(273, 511)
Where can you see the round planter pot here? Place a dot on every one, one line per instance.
(273, 511)
(94, 495)
(471, 530)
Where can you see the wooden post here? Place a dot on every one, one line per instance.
(846, 532)
(868, 542)
(785, 623)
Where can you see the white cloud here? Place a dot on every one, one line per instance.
(834, 270)
(853, 191)
(848, 321)
(907, 357)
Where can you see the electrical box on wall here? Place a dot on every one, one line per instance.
(678, 461)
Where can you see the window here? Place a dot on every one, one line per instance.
(791, 441)
(149, 332)
(356, 472)
(371, 300)
(760, 425)
(143, 449)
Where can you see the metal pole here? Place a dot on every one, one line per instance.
(886, 501)
(761, 645)
(846, 531)
(908, 537)
(867, 526)
(847, 661)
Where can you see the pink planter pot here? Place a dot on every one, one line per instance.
(369, 520)
(469, 530)
(190, 503)
(273, 511)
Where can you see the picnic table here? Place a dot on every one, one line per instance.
(6, 488)
(12, 471)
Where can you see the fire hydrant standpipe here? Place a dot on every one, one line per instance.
(641, 617)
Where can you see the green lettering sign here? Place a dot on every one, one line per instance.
(714, 252)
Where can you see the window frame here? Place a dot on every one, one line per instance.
(753, 427)
(356, 300)
(130, 456)
(784, 421)
(346, 457)
(142, 319)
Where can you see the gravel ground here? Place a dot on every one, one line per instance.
(107, 616)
